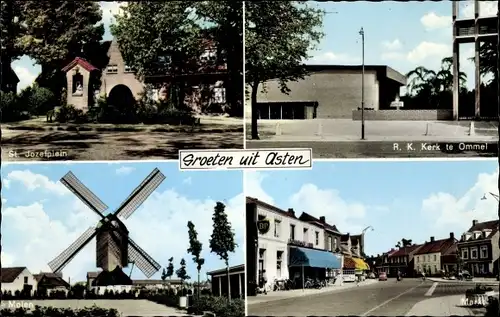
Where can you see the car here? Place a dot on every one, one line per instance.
(382, 276)
(371, 275)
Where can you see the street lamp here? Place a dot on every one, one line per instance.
(363, 237)
(493, 195)
(362, 33)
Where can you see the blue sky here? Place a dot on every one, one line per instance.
(399, 199)
(41, 217)
(402, 35)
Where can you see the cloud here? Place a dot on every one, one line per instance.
(26, 77)
(110, 9)
(7, 259)
(426, 50)
(124, 170)
(393, 56)
(187, 181)
(445, 209)
(6, 183)
(4, 200)
(159, 226)
(253, 186)
(34, 181)
(336, 58)
(393, 45)
(432, 21)
(486, 8)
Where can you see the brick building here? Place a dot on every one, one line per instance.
(331, 91)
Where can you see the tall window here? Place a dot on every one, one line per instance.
(465, 253)
(335, 244)
(262, 260)
(279, 257)
(484, 252)
(306, 234)
(25, 280)
(292, 232)
(330, 243)
(277, 228)
(434, 258)
(473, 253)
(418, 259)
(316, 237)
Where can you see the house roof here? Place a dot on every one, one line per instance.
(406, 250)
(435, 246)
(93, 274)
(309, 218)
(290, 213)
(51, 279)
(480, 226)
(9, 274)
(236, 268)
(80, 62)
(115, 277)
(382, 71)
(156, 282)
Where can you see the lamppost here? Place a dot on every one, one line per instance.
(363, 237)
(362, 33)
(492, 195)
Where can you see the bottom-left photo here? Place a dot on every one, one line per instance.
(121, 239)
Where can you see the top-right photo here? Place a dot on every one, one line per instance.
(373, 79)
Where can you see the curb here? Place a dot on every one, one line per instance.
(489, 283)
(302, 294)
(127, 129)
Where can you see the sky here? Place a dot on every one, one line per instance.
(41, 217)
(402, 35)
(399, 199)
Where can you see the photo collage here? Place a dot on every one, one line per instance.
(249, 158)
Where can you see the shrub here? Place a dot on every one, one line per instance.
(220, 306)
(478, 290)
(60, 312)
(68, 113)
(492, 308)
(167, 300)
(11, 108)
(38, 100)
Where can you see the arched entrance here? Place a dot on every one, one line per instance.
(121, 98)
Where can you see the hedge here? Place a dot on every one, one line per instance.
(38, 311)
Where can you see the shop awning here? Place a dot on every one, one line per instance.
(314, 258)
(360, 264)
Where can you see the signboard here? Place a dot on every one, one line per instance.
(300, 243)
(263, 226)
(397, 104)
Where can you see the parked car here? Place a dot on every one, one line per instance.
(382, 276)
(371, 275)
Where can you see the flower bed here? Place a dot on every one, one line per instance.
(477, 297)
(219, 306)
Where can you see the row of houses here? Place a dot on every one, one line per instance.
(475, 251)
(284, 245)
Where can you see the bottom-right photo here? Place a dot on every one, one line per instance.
(381, 238)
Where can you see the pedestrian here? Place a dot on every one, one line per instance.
(358, 277)
(264, 281)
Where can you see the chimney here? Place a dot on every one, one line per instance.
(432, 239)
(474, 222)
(291, 211)
(452, 235)
(322, 219)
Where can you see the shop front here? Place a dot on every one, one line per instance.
(354, 267)
(313, 264)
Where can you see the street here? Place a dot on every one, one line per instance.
(90, 146)
(390, 298)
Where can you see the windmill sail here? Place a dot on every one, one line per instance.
(140, 194)
(62, 259)
(86, 196)
(141, 259)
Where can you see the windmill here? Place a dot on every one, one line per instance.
(114, 248)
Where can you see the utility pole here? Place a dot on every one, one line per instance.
(362, 33)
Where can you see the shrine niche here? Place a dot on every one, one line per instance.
(81, 79)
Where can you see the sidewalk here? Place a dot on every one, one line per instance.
(279, 295)
(478, 280)
(441, 306)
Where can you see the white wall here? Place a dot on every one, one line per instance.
(430, 260)
(18, 283)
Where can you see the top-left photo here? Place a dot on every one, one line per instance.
(89, 80)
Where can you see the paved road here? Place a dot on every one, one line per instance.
(389, 298)
(87, 146)
(383, 149)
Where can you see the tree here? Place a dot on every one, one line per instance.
(278, 38)
(222, 239)
(225, 19)
(163, 275)
(195, 247)
(56, 33)
(160, 37)
(181, 273)
(170, 268)
(404, 243)
(10, 31)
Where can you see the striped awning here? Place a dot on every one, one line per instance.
(361, 264)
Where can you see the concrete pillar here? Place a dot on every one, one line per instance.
(456, 63)
(477, 73)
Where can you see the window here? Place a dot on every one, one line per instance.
(484, 252)
(317, 237)
(25, 280)
(279, 257)
(277, 228)
(330, 243)
(209, 55)
(465, 254)
(418, 259)
(77, 87)
(473, 253)
(435, 258)
(428, 258)
(292, 232)
(305, 232)
(335, 246)
(128, 69)
(262, 259)
(219, 95)
(112, 69)
(435, 268)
